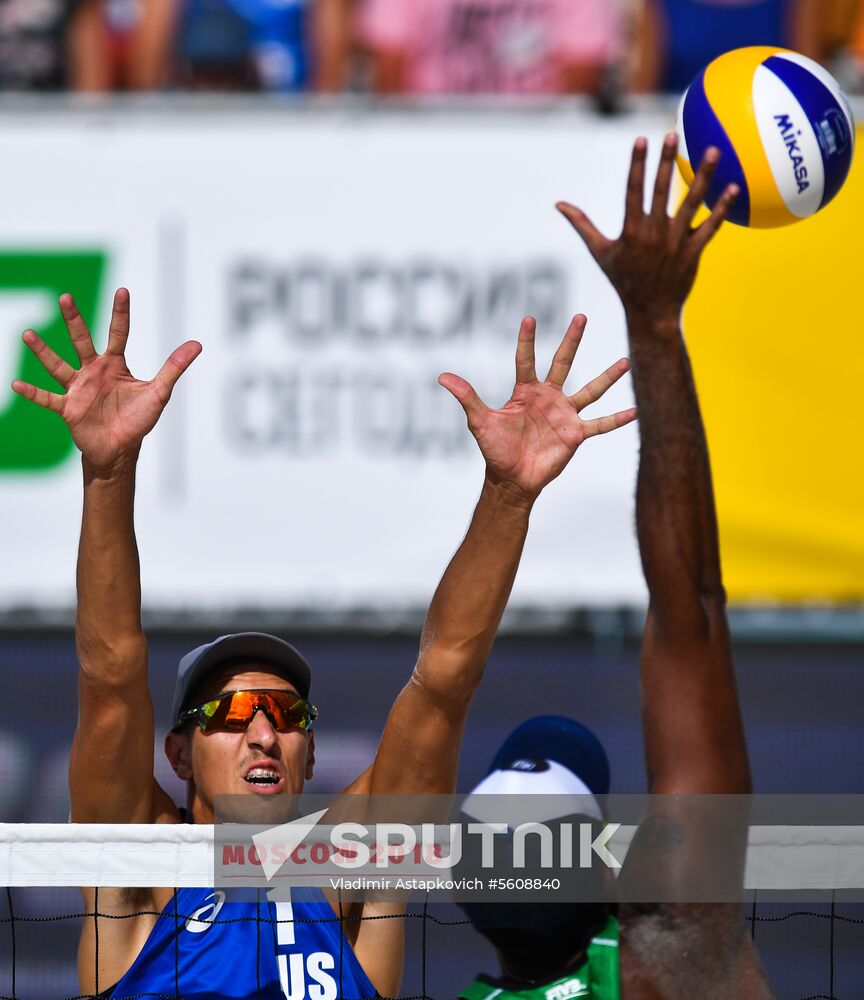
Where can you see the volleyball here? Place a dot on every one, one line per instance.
(784, 129)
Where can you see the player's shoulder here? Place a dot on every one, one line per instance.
(675, 950)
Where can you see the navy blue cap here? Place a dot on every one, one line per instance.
(253, 647)
(555, 737)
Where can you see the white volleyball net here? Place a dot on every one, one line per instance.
(43, 915)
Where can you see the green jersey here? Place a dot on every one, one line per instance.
(596, 978)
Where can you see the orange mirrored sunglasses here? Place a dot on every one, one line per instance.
(232, 712)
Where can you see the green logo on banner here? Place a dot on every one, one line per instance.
(33, 439)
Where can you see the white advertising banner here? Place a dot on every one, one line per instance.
(332, 265)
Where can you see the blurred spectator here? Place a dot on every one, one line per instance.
(213, 49)
(676, 39)
(857, 48)
(140, 38)
(836, 26)
(840, 37)
(490, 46)
(275, 45)
(51, 45)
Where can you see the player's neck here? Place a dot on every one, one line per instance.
(197, 810)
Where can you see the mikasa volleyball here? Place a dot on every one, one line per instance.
(784, 129)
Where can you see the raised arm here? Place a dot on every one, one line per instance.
(526, 444)
(108, 413)
(685, 849)
(694, 741)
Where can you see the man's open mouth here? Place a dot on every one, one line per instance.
(263, 778)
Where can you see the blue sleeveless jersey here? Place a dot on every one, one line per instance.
(207, 950)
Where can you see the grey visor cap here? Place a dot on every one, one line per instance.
(255, 647)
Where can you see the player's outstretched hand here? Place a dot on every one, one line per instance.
(529, 441)
(108, 411)
(653, 263)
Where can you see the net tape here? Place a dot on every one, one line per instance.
(182, 855)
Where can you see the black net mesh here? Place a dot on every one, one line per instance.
(818, 946)
(41, 946)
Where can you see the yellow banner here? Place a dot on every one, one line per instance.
(774, 327)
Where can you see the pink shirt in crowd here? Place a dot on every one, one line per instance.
(492, 46)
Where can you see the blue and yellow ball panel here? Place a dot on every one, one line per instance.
(827, 110)
(702, 129)
(784, 129)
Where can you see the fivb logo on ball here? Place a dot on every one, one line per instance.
(784, 129)
(33, 439)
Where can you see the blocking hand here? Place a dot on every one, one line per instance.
(530, 440)
(108, 411)
(653, 263)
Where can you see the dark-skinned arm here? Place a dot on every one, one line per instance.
(694, 739)
(693, 736)
(690, 699)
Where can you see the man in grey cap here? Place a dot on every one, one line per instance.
(242, 716)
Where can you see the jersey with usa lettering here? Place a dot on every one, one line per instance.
(217, 946)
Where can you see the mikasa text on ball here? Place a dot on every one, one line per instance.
(784, 129)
